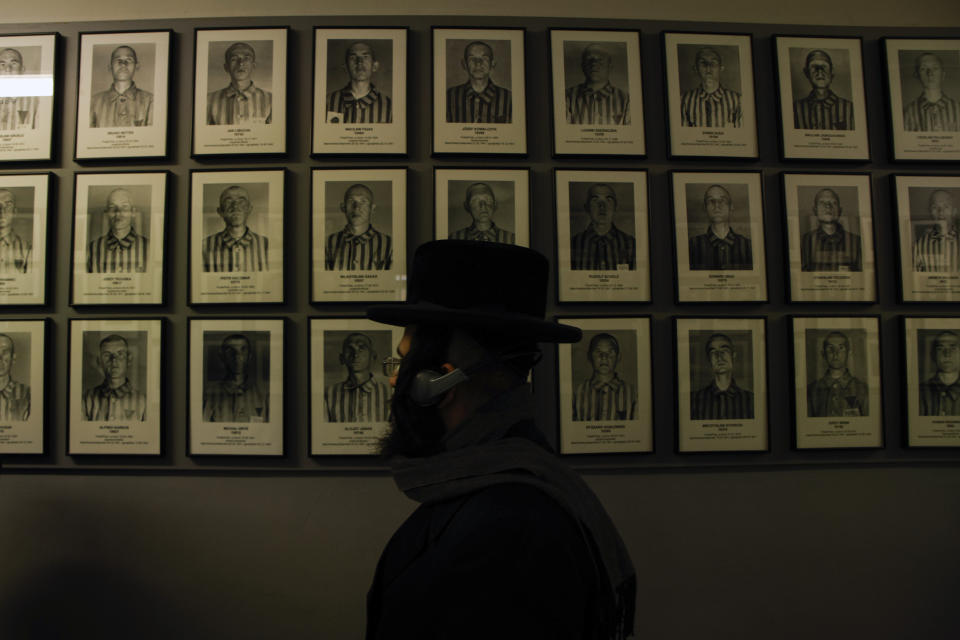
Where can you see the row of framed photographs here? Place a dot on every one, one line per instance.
(358, 234)
(235, 385)
(479, 102)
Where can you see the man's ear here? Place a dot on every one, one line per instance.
(375, 67)
(463, 63)
(450, 395)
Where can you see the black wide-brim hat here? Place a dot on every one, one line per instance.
(478, 285)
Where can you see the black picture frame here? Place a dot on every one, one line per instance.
(25, 431)
(25, 281)
(39, 139)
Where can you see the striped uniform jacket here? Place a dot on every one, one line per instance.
(123, 403)
(936, 251)
(608, 105)
(14, 254)
(938, 399)
(372, 108)
(611, 400)
(232, 106)
(923, 115)
(19, 113)
(15, 402)
(493, 234)
(223, 252)
(464, 104)
(708, 252)
(348, 401)
(227, 401)
(132, 108)
(832, 112)
(838, 251)
(109, 254)
(844, 396)
(369, 251)
(613, 250)
(710, 403)
(718, 109)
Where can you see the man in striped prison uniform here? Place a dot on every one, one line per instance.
(595, 100)
(359, 101)
(821, 108)
(937, 247)
(604, 395)
(932, 110)
(237, 397)
(123, 104)
(710, 104)
(121, 249)
(360, 397)
(481, 204)
(829, 247)
(14, 396)
(479, 99)
(838, 393)
(237, 247)
(14, 252)
(722, 399)
(16, 112)
(602, 246)
(358, 246)
(241, 102)
(115, 398)
(720, 248)
(940, 395)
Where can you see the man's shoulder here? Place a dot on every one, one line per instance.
(512, 507)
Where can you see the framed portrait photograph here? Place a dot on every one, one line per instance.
(349, 390)
(829, 221)
(240, 91)
(721, 384)
(359, 91)
(823, 108)
(479, 91)
(359, 235)
(123, 94)
(487, 205)
(597, 93)
(115, 386)
(235, 386)
(22, 392)
(119, 223)
(836, 374)
(923, 77)
(718, 222)
(928, 220)
(710, 96)
(236, 236)
(28, 85)
(605, 387)
(603, 250)
(932, 393)
(24, 212)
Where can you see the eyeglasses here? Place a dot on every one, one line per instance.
(391, 366)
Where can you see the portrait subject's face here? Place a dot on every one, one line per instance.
(357, 206)
(357, 355)
(595, 64)
(119, 212)
(604, 357)
(941, 206)
(8, 207)
(6, 356)
(709, 66)
(716, 202)
(721, 355)
(236, 354)
(481, 205)
(11, 63)
(240, 63)
(235, 207)
(601, 204)
(478, 61)
(835, 352)
(930, 72)
(361, 64)
(819, 72)
(826, 206)
(946, 350)
(123, 64)
(114, 358)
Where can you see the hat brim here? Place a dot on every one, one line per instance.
(513, 324)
